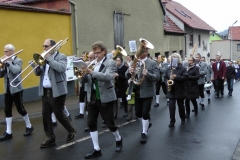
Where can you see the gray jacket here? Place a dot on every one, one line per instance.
(15, 68)
(163, 67)
(105, 81)
(202, 72)
(56, 73)
(209, 74)
(147, 87)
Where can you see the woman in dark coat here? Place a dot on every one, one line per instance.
(192, 86)
(178, 89)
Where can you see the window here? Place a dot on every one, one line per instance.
(190, 40)
(181, 53)
(199, 40)
(238, 47)
(118, 19)
(174, 51)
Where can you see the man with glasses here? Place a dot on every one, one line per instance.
(12, 67)
(101, 97)
(53, 89)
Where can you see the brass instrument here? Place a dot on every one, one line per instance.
(86, 57)
(135, 77)
(170, 82)
(119, 52)
(40, 60)
(5, 58)
(162, 60)
(78, 72)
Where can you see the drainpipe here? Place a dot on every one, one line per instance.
(76, 26)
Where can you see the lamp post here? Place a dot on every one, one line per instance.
(231, 38)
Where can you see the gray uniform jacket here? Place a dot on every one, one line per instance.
(105, 81)
(163, 67)
(56, 73)
(147, 87)
(202, 73)
(15, 68)
(209, 74)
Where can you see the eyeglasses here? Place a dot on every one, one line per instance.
(45, 46)
(190, 60)
(98, 52)
(6, 51)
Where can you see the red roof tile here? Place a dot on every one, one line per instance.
(17, 1)
(235, 31)
(186, 16)
(171, 26)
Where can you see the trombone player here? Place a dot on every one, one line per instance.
(12, 67)
(53, 89)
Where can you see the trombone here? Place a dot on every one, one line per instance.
(4, 58)
(39, 59)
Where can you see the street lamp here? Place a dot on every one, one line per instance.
(231, 38)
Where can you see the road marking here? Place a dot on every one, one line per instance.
(87, 137)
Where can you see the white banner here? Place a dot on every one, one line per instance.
(69, 71)
(133, 46)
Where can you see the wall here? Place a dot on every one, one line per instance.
(28, 30)
(235, 52)
(214, 38)
(221, 45)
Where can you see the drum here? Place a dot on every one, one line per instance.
(207, 86)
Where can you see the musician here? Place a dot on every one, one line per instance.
(202, 71)
(162, 69)
(121, 85)
(53, 89)
(219, 70)
(12, 67)
(178, 89)
(101, 97)
(144, 93)
(129, 59)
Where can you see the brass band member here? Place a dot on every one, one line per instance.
(144, 93)
(53, 89)
(101, 97)
(178, 90)
(11, 69)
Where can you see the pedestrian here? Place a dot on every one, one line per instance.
(53, 89)
(192, 88)
(12, 67)
(230, 75)
(179, 76)
(219, 70)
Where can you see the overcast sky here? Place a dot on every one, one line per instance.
(220, 14)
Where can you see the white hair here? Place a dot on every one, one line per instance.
(10, 47)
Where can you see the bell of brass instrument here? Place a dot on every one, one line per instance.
(145, 44)
(170, 82)
(86, 57)
(5, 58)
(78, 72)
(119, 52)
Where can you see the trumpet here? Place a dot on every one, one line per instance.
(5, 58)
(40, 60)
(77, 68)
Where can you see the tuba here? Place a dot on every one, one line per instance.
(136, 76)
(119, 52)
(5, 58)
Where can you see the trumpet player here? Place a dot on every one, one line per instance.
(12, 66)
(53, 89)
(179, 75)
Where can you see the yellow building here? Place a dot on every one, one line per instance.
(27, 28)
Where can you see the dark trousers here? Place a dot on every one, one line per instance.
(172, 109)
(17, 99)
(142, 106)
(158, 86)
(187, 104)
(122, 94)
(230, 84)
(201, 90)
(106, 111)
(219, 85)
(82, 95)
(56, 105)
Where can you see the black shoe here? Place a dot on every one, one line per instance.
(79, 116)
(193, 110)
(94, 153)
(86, 129)
(203, 107)
(48, 142)
(187, 116)
(54, 124)
(129, 119)
(171, 124)
(143, 138)
(28, 131)
(156, 105)
(119, 145)
(6, 136)
(70, 137)
(150, 125)
(104, 125)
(70, 117)
(125, 114)
(209, 101)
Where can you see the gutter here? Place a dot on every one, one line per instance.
(76, 26)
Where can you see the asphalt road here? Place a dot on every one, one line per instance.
(213, 135)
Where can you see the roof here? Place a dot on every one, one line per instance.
(186, 16)
(171, 26)
(17, 1)
(29, 8)
(234, 32)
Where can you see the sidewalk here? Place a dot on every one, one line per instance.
(35, 108)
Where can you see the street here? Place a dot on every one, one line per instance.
(212, 135)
